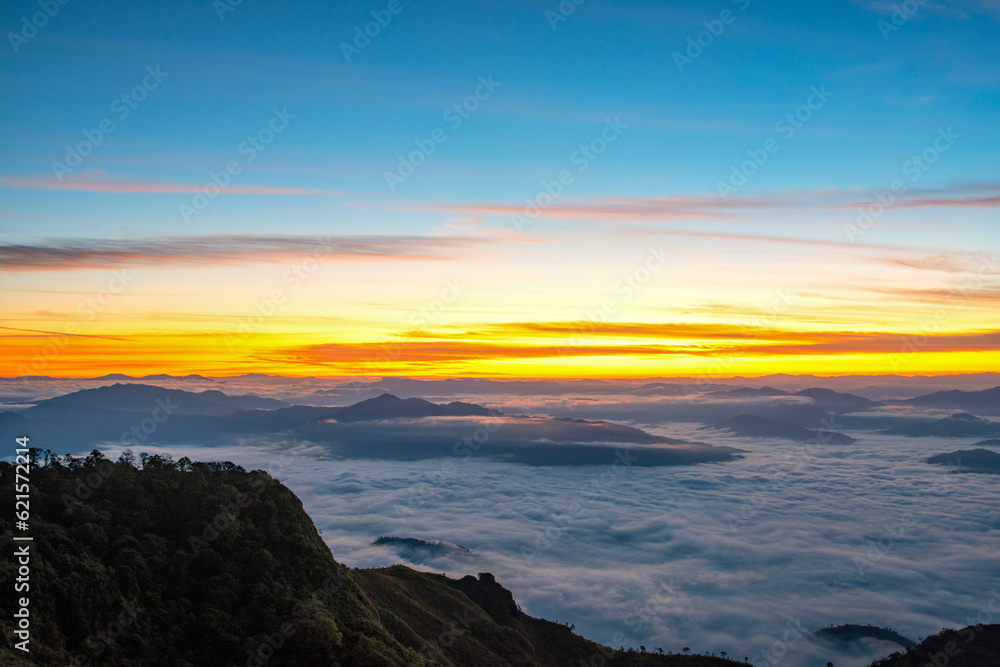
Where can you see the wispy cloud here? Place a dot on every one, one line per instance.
(703, 206)
(35, 333)
(100, 182)
(70, 254)
(953, 9)
(950, 262)
(592, 345)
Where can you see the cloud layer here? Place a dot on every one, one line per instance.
(716, 558)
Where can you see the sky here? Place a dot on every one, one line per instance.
(499, 189)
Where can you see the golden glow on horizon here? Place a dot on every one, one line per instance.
(62, 356)
(565, 316)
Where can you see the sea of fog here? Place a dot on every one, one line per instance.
(745, 557)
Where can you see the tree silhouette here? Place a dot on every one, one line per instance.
(685, 650)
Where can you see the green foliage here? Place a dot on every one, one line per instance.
(187, 563)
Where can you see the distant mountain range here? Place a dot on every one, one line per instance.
(984, 402)
(959, 425)
(748, 392)
(142, 397)
(384, 427)
(754, 426)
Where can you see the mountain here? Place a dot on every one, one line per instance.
(668, 389)
(748, 392)
(970, 460)
(987, 443)
(142, 398)
(983, 402)
(384, 427)
(959, 425)
(836, 401)
(413, 549)
(845, 635)
(974, 646)
(754, 426)
(388, 406)
(187, 564)
(411, 387)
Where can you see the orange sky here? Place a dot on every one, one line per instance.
(496, 306)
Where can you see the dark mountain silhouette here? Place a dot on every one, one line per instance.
(973, 646)
(753, 426)
(837, 402)
(987, 443)
(970, 460)
(959, 425)
(748, 392)
(206, 564)
(407, 547)
(384, 427)
(983, 402)
(388, 406)
(844, 635)
(410, 387)
(143, 397)
(676, 389)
